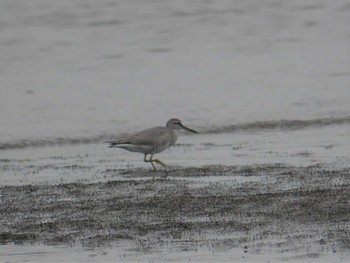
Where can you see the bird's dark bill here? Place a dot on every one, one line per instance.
(188, 129)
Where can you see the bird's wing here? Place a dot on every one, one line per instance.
(156, 135)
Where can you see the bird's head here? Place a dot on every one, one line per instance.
(176, 124)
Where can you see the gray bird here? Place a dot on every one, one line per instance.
(152, 141)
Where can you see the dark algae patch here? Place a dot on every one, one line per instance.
(284, 208)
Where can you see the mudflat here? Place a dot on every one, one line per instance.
(255, 209)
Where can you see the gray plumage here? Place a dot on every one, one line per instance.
(152, 141)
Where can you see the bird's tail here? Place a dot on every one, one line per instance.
(116, 143)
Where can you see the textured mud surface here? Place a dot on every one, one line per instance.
(260, 208)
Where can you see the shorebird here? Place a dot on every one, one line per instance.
(152, 141)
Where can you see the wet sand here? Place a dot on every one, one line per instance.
(294, 212)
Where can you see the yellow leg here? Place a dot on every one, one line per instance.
(150, 161)
(160, 162)
(154, 160)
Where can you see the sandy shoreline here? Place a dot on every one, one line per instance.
(278, 209)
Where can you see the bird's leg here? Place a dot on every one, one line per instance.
(150, 161)
(159, 162)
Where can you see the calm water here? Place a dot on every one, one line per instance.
(263, 82)
(74, 70)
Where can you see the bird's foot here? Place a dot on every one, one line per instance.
(160, 162)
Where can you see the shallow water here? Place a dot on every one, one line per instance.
(327, 147)
(41, 254)
(77, 71)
